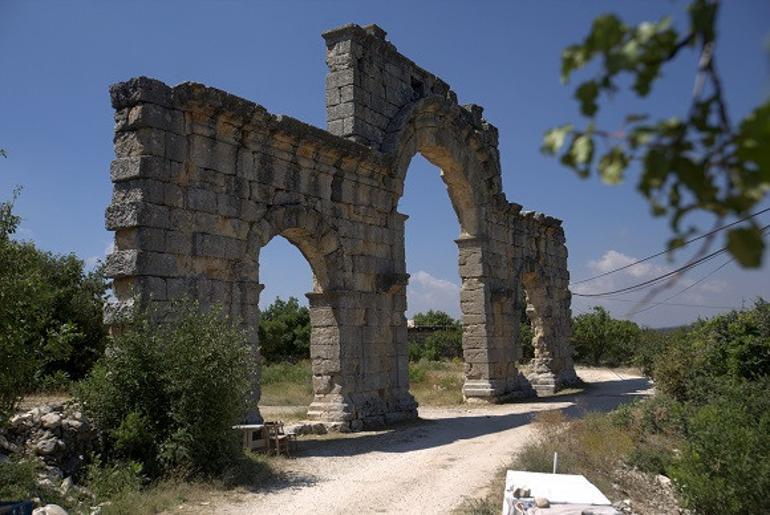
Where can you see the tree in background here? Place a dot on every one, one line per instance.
(599, 339)
(284, 331)
(444, 343)
(435, 318)
(51, 326)
(702, 162)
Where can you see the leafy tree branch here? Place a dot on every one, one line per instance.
(699, 163)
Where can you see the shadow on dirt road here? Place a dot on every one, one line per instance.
(438, 427)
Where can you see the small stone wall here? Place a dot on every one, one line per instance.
(57, 434)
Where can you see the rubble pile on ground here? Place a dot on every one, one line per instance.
(57, 435)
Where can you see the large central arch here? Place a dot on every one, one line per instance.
(203, 180)
(456, 140)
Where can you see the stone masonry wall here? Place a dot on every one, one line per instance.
(203, 180)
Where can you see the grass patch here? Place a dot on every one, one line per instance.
(248, 472)
(287, 384)
(120, 489)
(433, 383)
(437, 383)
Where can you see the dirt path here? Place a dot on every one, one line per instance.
(424, 467)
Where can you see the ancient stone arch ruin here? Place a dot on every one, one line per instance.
(203, 180)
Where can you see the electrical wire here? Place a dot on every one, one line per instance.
(660, 278)
(676, 304)
(664, 301)
(706, 235)
(655, 280)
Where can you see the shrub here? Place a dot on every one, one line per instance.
(19, 480)
(725, 466)
(590, 446)
(284, 331)
(725, 349)
(651, 343)
(110, 481)
(446, 344)
(166, 395)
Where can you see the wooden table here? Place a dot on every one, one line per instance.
(249, 431)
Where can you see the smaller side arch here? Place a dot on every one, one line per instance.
(317, 240)
(548, 311)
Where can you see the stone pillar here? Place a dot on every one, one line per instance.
(546, 282)
(548, 310)
(331, 339)
(245, 306)
(360, 378)
(402, 405)
(488, 332)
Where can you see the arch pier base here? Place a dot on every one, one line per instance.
(359, 380)
(490, 330)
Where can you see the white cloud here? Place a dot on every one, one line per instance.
(613, 259)
(426, 291)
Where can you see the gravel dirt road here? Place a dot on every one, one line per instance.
(428, 466)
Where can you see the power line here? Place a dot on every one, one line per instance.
(676, 304)
(650, 282)
(664, 301)
(655, 280)
(706, 235)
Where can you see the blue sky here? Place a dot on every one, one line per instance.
(59, 58)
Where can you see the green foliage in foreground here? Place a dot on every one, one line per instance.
(718, 375)
(166, 395)
(51, 328)
(727, 349)
(701, 162)
(19, 481)
(707, 427)
(728, 451)
(284, 331)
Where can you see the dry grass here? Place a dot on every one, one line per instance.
(37, 399)
(286, 384)
(437, 383)
(284, 413)
(433, 383)
(249, 472)
(592, 446)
